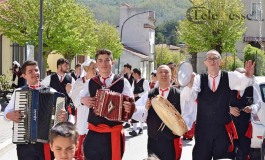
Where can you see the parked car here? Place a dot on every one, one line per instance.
(258, 124)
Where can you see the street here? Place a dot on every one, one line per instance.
(135, 148)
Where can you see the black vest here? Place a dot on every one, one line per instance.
(245, 100)
(154, 122)
(213, 107)
(73, 75)
(93, 87)
(60, 86)
(138, 88)
(129, 79)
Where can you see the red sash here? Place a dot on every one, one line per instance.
(249, 131)
(232, 134)
(79, 155)
(115, 137)
(47, 151)
(178, 147)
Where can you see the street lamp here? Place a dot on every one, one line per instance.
(40, 49)
(122, 30)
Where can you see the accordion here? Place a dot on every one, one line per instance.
(39, 109)
(109, 104)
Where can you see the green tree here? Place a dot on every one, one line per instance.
(167, 33)
(213, 24)
(68, 27)
(165, 55)
(257, 55)
(230, 63)
(108, 38)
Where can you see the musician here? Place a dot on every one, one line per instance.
(76, 74)
(153, 80)
(212, 91)
(30, 72)
(242, 104)
(104, 138)
(64, 141)
(163, 143)
(59, 81)
(16, 71)
(140, 87)
(127, 73)
(88, 70)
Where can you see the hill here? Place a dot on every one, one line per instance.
(108, 10)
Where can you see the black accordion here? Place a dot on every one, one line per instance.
(39, 109)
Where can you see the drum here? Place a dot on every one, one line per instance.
(169, 115)
(183, 74)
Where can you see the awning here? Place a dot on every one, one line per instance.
(254, 39)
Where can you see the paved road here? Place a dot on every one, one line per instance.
(135, 148)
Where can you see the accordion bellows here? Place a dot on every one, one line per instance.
(169, 115)
(109, 104)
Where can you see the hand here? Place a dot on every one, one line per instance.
(88, 101)
(127, 106)
(235, 111)
(62, 116)
(14, 116)
(148, 104)
(135, 95)
(247, 109)
(191, 80)
(68, 87)
(249, 67)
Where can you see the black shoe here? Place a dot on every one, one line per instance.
(140, 131)
(133, 133)
(127, 125)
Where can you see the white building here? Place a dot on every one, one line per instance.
(137, 33)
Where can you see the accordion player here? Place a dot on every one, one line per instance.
(39, 109)
(109, 104)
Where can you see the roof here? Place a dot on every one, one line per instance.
(135, 52)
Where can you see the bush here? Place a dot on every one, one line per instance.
(230, 63)
(257, 55)
(4, 83)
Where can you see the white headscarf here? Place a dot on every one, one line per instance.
(16, 63)
(86, 64)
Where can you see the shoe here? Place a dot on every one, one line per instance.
(140, 131)
(127, 125)
(133, 133)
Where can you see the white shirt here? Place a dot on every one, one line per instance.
(47, 80)
(11, 104)
(142, 113)
(146, 87)
(127, 89)
(256, 98)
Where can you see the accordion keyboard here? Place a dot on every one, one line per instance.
(21, 103)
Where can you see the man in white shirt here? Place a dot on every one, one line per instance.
(214, 128)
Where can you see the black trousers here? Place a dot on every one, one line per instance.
(242, 144)
(162, 147)
(97, 146)
(211, 141)
(31, 152)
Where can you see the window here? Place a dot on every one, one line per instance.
(19, 53)
(262, 89)
(256, 10)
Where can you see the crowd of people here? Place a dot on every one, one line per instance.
(215, 105)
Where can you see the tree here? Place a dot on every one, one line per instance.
(230, 63)
(165, 55)
(68, 27)
(213, 24)
(257, 55)
(108, 38)
(167, 33)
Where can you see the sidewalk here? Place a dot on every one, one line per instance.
(5, 132)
